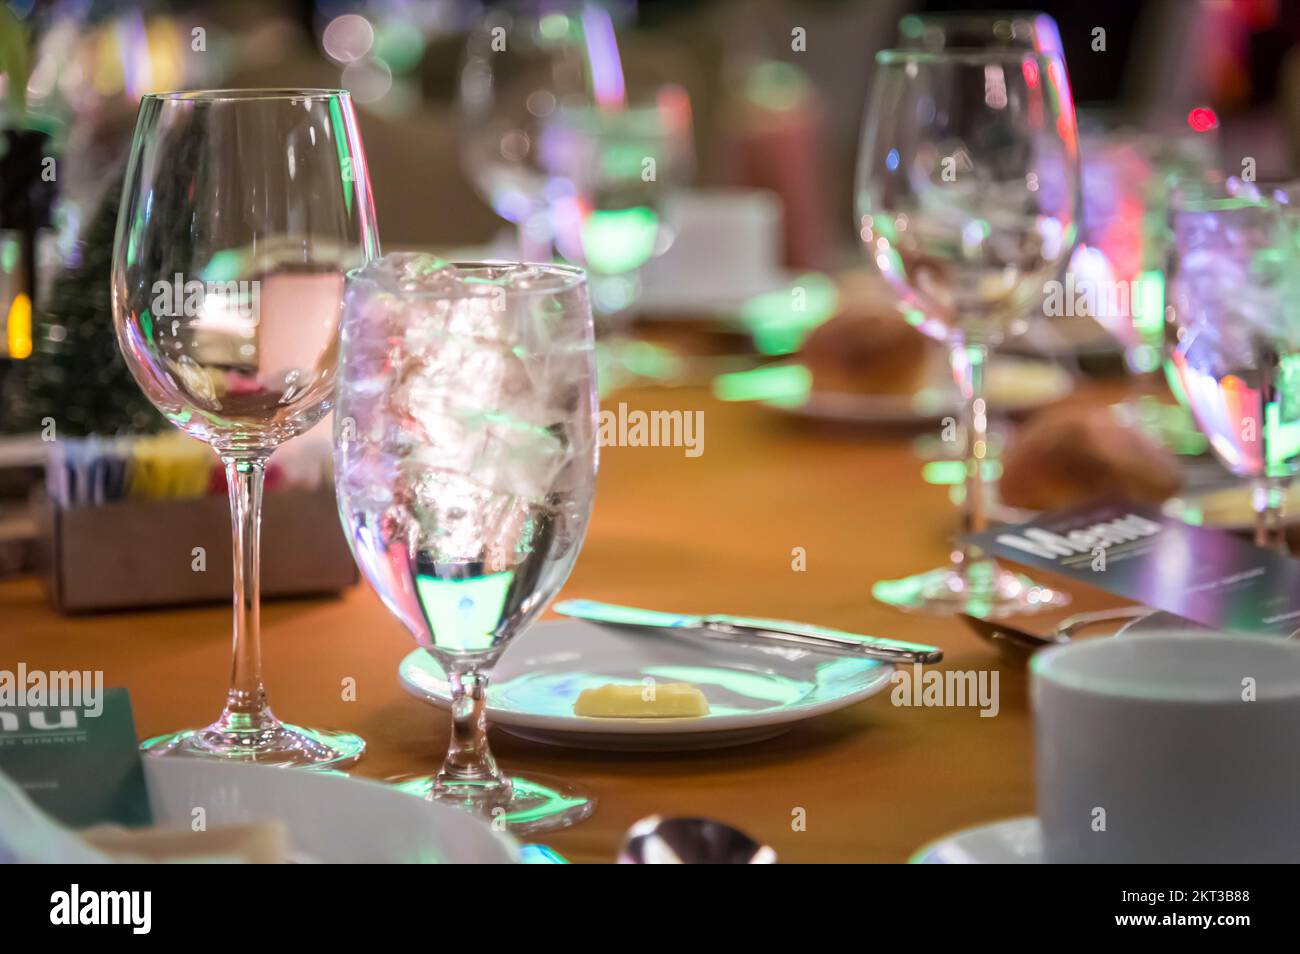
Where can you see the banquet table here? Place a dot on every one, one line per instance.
(718, 532)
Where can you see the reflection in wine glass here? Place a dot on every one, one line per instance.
(1235, 331)
(241, 212)
(465, 459)
(967, 197)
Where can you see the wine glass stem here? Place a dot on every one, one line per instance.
(469, 767)
(1270, 532)
(531, 247)
(968, 364)
(246, 706)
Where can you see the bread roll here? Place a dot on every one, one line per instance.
(1071, 454)
(866, 352)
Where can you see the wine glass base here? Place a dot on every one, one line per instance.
(988, 590)
(537, 803)
(282, 745)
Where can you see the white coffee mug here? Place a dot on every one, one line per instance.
(1169, 748)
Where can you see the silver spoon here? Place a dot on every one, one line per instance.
(690, 841)
(1019, 643)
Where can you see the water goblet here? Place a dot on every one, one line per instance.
(465, 465)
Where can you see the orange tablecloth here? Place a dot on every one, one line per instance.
(714, 533)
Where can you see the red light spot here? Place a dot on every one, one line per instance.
(1202, 119)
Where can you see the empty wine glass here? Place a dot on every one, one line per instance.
(465, 464)
(619, 162)
(967, 194)
(241, 212)
(1234, 323)
(615, 165)
(523, 63)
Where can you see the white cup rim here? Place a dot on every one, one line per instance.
(1188, 668)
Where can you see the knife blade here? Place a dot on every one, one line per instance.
(776, 631)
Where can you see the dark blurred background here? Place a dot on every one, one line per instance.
(773, 91)
(1158, 60)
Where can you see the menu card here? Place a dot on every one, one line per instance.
(1211, 577)
(79, 763)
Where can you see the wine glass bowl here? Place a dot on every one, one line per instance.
(241, 211)
(969, 213)
(465, 461)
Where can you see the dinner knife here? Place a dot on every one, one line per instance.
(776, 631)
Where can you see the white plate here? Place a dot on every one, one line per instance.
(329, 817)
(753, 693)
(1014, 386)
(1016, 841)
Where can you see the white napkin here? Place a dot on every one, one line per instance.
(29, 836)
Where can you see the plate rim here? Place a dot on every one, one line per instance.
(919, 856)
(897, 409)
(646, 727)
(156, 771)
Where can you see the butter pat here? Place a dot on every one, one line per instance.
(660, 700)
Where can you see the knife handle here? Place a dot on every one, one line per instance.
(827, 640)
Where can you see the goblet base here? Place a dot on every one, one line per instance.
(536, 803)
(279, 745)
(986, 590)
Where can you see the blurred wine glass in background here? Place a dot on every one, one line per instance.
(622, 157)
(616, 165)
(1234, 323)
(579, 143)
(967, 202)
(523, 64)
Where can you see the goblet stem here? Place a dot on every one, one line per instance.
(1270, 532)
(469, 771)
(246, 706)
